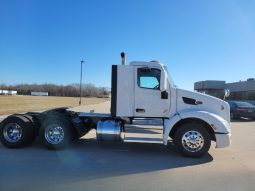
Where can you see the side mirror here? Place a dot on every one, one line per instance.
(227, 94)
(164, 81)
(164, 95)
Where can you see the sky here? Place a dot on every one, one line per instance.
(43, 41)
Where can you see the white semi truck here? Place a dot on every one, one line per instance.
(142, 93)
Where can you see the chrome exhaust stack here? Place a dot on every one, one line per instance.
(123, 58)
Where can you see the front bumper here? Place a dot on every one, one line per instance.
(223, 140)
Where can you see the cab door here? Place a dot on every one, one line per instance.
(151, 98)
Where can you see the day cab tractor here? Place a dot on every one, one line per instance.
(142, 93)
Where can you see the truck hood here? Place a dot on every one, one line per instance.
(188, 101)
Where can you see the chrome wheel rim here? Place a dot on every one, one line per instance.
(192, 141)
(54, 134)
(12, 132)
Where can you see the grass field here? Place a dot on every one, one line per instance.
(17, 104)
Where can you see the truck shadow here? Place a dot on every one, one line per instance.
(87, 159)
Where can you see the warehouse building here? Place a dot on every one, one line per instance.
(39, 93)
(242, 90)
(8, 92)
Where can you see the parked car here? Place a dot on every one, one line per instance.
(241, 109)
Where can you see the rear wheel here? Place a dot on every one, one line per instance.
(56, 132)
(16, 131)
(192, 140)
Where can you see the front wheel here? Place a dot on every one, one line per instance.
(192, 140)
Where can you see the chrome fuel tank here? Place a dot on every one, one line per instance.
(109, 130)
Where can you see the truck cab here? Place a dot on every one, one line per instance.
(144, 90)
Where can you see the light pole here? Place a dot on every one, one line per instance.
(81, 82)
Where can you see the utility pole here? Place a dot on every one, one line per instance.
(81, 81)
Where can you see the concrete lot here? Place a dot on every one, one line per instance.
(91, 165)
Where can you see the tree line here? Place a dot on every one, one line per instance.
(71, 90)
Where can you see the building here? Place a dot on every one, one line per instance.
(39, 93)
(211, 87)
(242, 90)
(8, 92)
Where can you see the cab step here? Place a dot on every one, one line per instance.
(154, 122)
(143, 140)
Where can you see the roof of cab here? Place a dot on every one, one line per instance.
(148, 64)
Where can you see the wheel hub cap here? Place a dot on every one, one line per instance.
(12, 132)
(54, 134)
(192, 141)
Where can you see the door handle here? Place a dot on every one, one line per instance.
(140, 110)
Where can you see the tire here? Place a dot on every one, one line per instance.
(34, 125)
(192, 148)
(16, 131)
(232, 116)
(236, 117)
(56, 132)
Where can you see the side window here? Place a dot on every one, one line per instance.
(148, 78)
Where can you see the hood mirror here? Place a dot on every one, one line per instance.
(227, 94)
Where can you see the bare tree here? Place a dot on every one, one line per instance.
(71, 90)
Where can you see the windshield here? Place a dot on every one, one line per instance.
(169, 77)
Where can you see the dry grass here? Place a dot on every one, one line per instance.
(17, 104)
